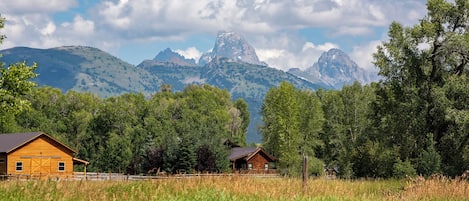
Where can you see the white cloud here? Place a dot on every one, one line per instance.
(49, 29)
(190, 53)
(363, 55)
(82, 26)
(271, 26)
(19, 7)
(301, 56)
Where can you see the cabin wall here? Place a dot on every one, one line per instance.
(258, 162)
(41, 157)
(3, 163)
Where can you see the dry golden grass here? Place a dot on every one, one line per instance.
(236, 188)
(436, 188)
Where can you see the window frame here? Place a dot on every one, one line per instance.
(19, 166)
(2, 160)
(249, 166)
(266, 166)
(59, 166)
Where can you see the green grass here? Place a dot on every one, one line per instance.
(235, 188)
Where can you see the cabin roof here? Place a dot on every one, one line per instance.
(11, 141)
(247, 153)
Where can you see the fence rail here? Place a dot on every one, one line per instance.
(98, 176)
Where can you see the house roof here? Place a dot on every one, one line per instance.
(11, 141)
(247, 153)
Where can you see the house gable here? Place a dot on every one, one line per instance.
(251, 159)
(36, 154)
(41, 156)
(12, 141)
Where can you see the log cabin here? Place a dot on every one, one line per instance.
(252, 160)
(36, 154)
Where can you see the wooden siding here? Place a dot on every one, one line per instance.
(3, 164)
(258, 161)
(41, 157)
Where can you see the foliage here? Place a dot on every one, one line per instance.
(403, 169)
(15, 81)
(174, 132)
(292, 121)
(423, 66)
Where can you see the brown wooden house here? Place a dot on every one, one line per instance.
(252, 160)
(36, 154)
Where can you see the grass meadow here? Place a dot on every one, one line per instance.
(237, 188)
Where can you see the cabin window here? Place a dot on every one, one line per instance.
(266, 166)
(2, 160)
(61, 166)
(19, 166)
(249, 166)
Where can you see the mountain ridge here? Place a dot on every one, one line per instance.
(89, 69)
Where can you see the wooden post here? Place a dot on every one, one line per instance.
(85, 171)
(305, 173)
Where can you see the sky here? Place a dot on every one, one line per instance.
(285, 33)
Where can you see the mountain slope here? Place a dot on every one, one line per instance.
(84, 69)
(247, 81)
(92, 70)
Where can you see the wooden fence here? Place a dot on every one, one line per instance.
(98, 176)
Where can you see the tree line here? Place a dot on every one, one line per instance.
(414, 121)
(170, 131)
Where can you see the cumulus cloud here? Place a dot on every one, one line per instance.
(271, 26)
(82, 26)
(190, 53)
(20, 7)
(302, 55)
(150, 18)
(363, 55)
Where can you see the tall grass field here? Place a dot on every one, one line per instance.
(237, 188)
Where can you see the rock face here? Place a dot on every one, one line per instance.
(233, 46)
(335, 68)
(170, 56)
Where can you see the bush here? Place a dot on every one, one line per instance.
(316, 166)
(402, 169)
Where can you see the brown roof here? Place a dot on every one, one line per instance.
(11, 141)
(247, 152)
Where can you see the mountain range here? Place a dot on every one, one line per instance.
(232, 65)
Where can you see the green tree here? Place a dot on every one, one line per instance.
(292, 122)
(281, 135)
(242, 115)
(15, 82)
(413, 102)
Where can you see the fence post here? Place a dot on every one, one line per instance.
(305, 173)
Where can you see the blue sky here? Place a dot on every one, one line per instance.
(285, 33)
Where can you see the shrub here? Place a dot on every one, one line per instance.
(401, 169)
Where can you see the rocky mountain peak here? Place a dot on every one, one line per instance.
(336, 55)
(335, 68)
(168, 55)
(335, 63)
(233, 46)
